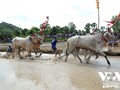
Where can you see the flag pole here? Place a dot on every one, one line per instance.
(97, 5)
(98, 19)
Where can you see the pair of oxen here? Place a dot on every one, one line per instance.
(28, 44)
(89, 43)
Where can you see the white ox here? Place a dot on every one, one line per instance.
(29, 43)
(91, 43)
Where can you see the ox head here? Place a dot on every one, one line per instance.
(109, 36)
(36, 39)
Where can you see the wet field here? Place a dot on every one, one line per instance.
(49, 73)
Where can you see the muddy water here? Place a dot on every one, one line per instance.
(113, 49)
(48, 73)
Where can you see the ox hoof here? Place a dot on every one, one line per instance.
(81, 61)
(109, 63)
(37, 56)
(59, 57)
(96, 57)
(65, 61)
(32, 58)
(21, 57)
(40, 54)
(88, 62)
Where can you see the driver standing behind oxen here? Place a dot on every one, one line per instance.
(53, 44)
(108, 31)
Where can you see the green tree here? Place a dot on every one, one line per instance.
(31, 31)
(87, 27)
(53, 30)
(65, 29)
(6, 33)
(83, 32)
(18, 32)
(71, 26)
(9, 30)
(116, 26)
(24, 31)
(47, 29)
(35, 29)
(79, 32)
(94, 25)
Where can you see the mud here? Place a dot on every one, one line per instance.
(49, 73)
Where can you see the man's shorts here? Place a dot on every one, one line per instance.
(54, 48)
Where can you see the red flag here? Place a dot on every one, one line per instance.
(41, 31)
(44, 24)
(111, 22)
(42, 28)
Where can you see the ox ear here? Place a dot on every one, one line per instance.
(32, 36)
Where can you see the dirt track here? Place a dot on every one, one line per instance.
(48, 73)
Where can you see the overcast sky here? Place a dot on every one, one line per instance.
(28, 13)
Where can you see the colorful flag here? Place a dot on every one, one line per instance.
(44, 24)
(112, 22)
(97, 4)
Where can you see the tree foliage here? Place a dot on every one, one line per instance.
(10, 31)
(116, 26)
(72, 27)
(87, 27)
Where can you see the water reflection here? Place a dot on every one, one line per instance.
(7, 75)
(42, 74)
